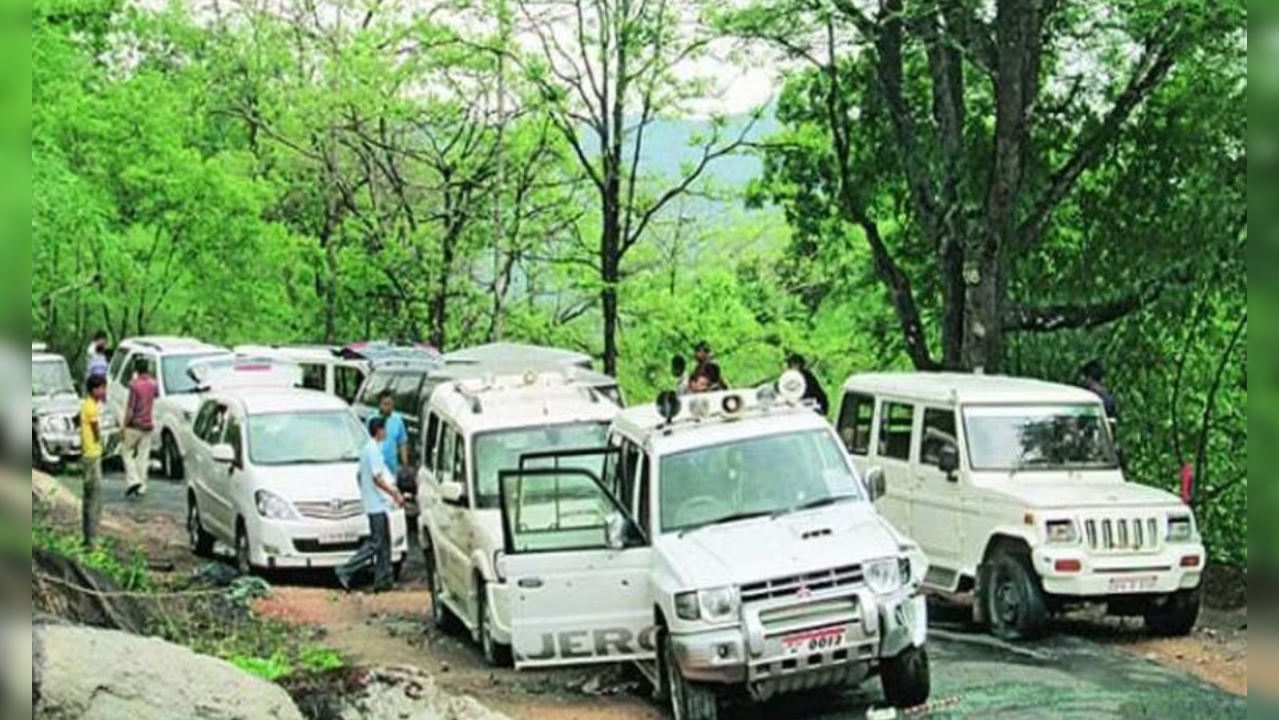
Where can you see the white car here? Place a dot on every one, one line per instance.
(1014, 490)
(474, 429)
(274, 474)
(730, 550)
(178, 400)
(325, 368)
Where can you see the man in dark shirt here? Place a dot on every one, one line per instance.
(813, 390)
(707, 366)
(1094, 376)
(139, 424)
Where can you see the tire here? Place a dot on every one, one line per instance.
(397, 571)
(201, 542)
(37, 461)
(171, 464)
(1014, 600)
(496, 654)
(1176, 616)
(443, 618)
(243, 556)
(688, 700)
(907, 679)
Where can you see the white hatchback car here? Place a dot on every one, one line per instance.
(274, 474)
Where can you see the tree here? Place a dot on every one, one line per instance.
(606, 73)
(940, 130)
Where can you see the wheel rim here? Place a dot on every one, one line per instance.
(1007, 605)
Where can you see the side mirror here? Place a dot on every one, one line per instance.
(452, 493)
(948, 461)
(876, 484)
(615, 531)
(223, 454)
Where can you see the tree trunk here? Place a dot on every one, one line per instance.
(983, 316)
(440, 303)
(610, 274)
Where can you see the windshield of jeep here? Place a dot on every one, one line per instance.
(1039, 438)
(51, 378)
(502, 450)
(770, 475)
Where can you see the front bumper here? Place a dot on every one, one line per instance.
(1107, 576)
(58, 448)
(318, 544)
(758, 655)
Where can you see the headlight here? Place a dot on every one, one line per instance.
(714, 606)
(1181, 529)
(274, 507)
(1063, 532)
(884, 577)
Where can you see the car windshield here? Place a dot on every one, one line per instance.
(176, 380)
(51, 378)
(498, 451)
(1060, 437)
(761, 476)
(305, 438)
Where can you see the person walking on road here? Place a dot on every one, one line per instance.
(96, 363)
(91, 460)
(139, 424)
(379, 495)
(813, 387)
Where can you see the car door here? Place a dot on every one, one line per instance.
(219, 512)
(892, 450)
(937, 507)
(453, 531)
(120, 374)
(577, 596)
(199, 460)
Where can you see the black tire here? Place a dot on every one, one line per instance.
(171, 465)
(907, 679)
(1014, 600)
(1175, 616)
(201, 542)
(243, 558)
(443, 618)
(688, 700)
(496, 654)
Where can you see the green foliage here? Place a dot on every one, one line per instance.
(127, 569)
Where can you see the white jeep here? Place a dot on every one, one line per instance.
(729, 549)
(1015, 491)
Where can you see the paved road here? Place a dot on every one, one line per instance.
(1062, 678)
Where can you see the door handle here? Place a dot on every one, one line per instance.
(531, 584)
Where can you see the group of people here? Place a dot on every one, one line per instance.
(707, 376)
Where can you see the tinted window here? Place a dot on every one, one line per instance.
(431, 440)
(856, 422)
(235, 437)
(939, 433)
(407, 399)
(313, 377)
(897, 424)
(215, 425)
(347, 381)
(204, 420)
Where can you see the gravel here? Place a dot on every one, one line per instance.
(409, 694)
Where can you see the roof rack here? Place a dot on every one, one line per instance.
(474, 389)
(729, 406)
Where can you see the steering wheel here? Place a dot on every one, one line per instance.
(701, 509)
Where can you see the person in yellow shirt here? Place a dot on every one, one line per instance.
(91, 441)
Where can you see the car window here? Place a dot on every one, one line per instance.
(347, 381)
(444, 460)
(378, 382)
(313, 377)
(939, 433)
(555, 511)
(407, 399)
(305, 438)
(235, 437)
(204, 420)
(897, 425)
(856, 422)
(118, 364)
(175, 379)
(503, 450)
(430, 440)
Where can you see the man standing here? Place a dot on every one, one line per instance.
(813, 390)
(91, 442)
(378, 492)
(1094, 376)
(395, 447)
(96, 358)
(139, 424)
(707, 366)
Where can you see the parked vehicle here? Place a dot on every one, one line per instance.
(1013, 489)
(273, 475)
(55, 414)
(327, 369)
(476, 428)
(178, 401)
(514, 358)
(729, 549)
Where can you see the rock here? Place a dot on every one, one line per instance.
(37, 665)
(92, 674)
(409, 694)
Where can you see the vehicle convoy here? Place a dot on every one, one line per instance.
(1014, 490)
(55, 414)
(272, 475)
(726, 545)
(325, 368)
(476, 428)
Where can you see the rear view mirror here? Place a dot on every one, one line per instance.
(876, 484)
(223, 454)
(948, 461)
(452, 493)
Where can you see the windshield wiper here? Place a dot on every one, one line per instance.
(740, 517)
(815, 505)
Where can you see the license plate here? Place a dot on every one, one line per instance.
(817, 641)
(1133, 584)
(340, 538)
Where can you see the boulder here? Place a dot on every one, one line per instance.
(89, 674)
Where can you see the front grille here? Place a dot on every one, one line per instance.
(315, 546)
(340, 510)
(797, 585)
(1122, 534)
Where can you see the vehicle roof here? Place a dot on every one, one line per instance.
(645, 424)
(515, 356)
(552, 400)
(47, 358)
(313, 353)
(171, 344)
(381, 354)
(967, 389)
(259, 401)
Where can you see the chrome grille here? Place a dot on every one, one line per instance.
(1122, 534)
(796, 585)
(331, 510)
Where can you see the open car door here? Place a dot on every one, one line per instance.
(578, 571)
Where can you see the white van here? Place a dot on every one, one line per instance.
(1014, 490)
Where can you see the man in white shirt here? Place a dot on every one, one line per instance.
(379, 494)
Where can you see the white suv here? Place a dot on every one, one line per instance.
(1014, 490)
(474, 429)
(178, 400)
(274, 474)
(729, 549)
